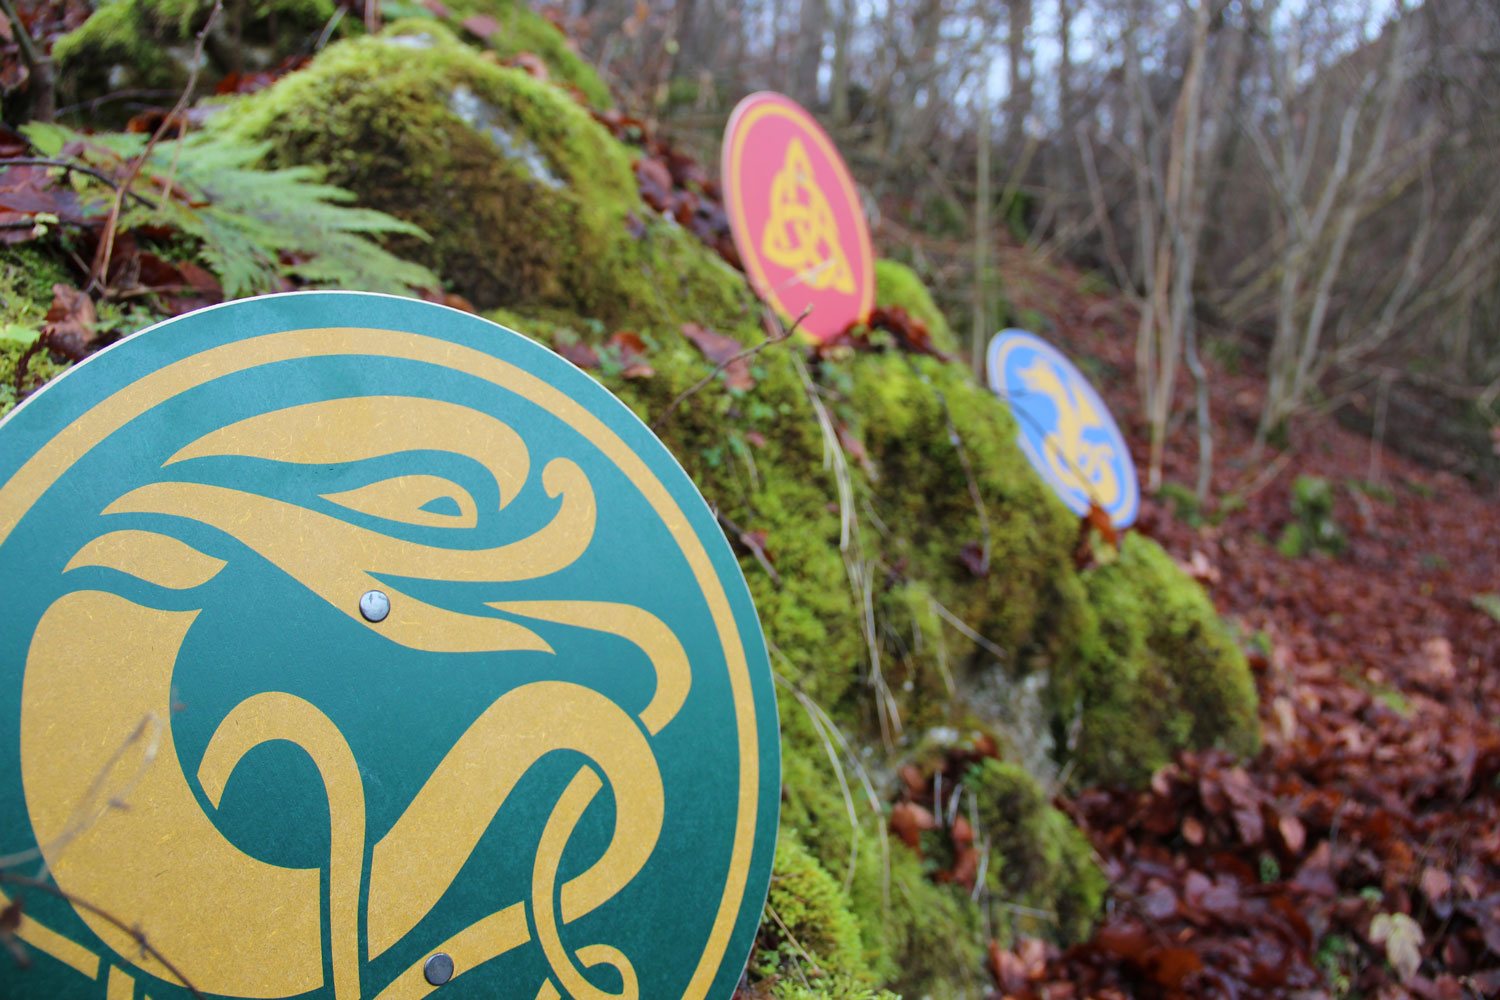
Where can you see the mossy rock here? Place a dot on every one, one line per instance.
(898, 285)
(916, 936)
(523, 30)
(1038, 858)
(811, 931)
(148, 43)
(530, 203)
(1155, 670)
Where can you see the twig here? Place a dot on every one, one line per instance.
(39, 65)
(118, 95)
(742, 355)
(1267, 474)
(967, 631)
(99, 272)
(32, 223)
(755, 549)
(136, 934)
(843, 780)
(328, 29)
(37, 161)
(817, 712)
(792, 939)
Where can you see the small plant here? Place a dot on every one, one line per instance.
(256, 227)
(1185, 506)
(1313, 527)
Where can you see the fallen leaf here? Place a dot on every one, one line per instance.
(576, 351)
(1099, 520)
(1170, 966)
(854, 448)
(718, 348)
(532, 64)
(483, 26)
(908, 820)
(70, 327)
(655, 183)
(1293, 835)
(1402, 937)
(1437, 658)
(971, 554)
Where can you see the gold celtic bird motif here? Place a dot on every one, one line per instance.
(801, 233)
(100, 662)
(1078, 463)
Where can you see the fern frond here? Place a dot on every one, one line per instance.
(256, 226)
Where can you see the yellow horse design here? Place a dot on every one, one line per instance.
(1079, 464)
(100, 663)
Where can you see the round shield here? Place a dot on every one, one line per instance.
(1064, 427)
(796, 216)
(358, 647)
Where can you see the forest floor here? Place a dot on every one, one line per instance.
(1359, 853)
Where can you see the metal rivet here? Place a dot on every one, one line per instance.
(438, 969)
(374, 605)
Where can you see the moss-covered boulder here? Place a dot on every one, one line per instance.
(1153, 670)
(530, 203)
(148, 43)
(898, 285)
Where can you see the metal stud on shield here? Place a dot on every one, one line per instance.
(358, 647)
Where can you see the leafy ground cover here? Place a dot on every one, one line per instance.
(1359, 853)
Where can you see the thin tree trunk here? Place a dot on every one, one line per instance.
(982, 235)
(807, 57)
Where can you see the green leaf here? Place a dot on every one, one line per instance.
(16, 333)
(1488, 603)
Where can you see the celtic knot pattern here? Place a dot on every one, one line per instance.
(801, 233)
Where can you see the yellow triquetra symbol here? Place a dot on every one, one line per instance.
(1079, 464)
(237, 925)
(801, 233)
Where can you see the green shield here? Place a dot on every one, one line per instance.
(352, 639)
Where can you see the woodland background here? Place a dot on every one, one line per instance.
(1304, 189)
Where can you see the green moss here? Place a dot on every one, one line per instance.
(810, 930)
(126, 43)
(917, 937)
(530, 202)
(27, 273)
(898, 285)
(1038, 858)
(903, 410)
(524, 30)
(1155, 671)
